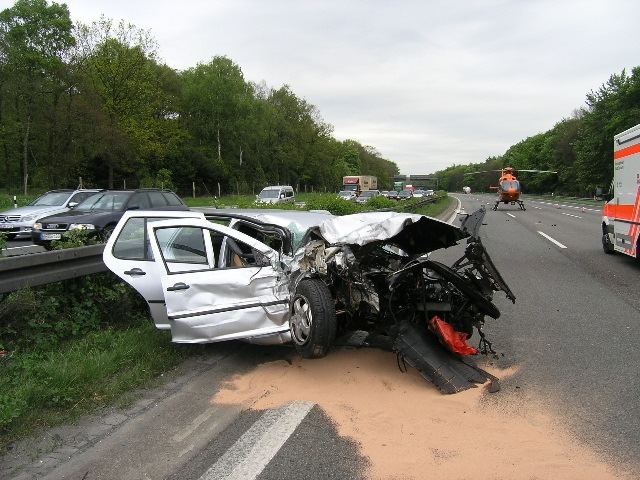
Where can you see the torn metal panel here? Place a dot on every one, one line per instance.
(446, 370)
(413, 233)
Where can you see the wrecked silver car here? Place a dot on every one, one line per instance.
(310, 278)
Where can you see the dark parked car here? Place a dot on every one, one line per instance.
(100, 213)
(405, 194)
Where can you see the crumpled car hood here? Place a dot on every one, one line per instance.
(415, 234)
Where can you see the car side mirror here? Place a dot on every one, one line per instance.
(73, 204)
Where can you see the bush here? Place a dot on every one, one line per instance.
(331, 202)
(75, 238)
(46, 316)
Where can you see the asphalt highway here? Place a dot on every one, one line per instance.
(574, 331)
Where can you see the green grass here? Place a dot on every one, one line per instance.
(45, 388)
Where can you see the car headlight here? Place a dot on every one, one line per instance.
(82, 226)
(37, 226)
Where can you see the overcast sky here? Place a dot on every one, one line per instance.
(427, 83)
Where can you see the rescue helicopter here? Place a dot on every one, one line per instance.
(509, 186)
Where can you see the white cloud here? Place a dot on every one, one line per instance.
(427, 83)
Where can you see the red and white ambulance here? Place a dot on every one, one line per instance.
(621, 214)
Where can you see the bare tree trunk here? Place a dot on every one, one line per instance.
(25, 154)
(219, 145)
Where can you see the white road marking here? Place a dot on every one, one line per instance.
(246, 458)
(179, 437)
(571, 215)
(552, 240)
(22, 247)
(511, 215)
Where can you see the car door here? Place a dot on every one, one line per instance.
(244, 297)
(128, 254)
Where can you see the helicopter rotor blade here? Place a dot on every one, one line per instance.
(482, 171)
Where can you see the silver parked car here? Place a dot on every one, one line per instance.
(18, 222)
(307, 278)
(347, 195)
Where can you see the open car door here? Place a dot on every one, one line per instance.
(233, 288)
(128, 254)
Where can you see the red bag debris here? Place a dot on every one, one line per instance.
(451, 338)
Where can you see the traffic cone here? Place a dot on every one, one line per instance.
(584, 209)
(557, 205)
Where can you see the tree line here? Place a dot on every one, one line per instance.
(579, 148)
(94, 104)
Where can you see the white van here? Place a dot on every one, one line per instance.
(275, 194)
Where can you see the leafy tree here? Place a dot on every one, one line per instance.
(215, 103)
(136, 114)
(613, 108)
(34, 37)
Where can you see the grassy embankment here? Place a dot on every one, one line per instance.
(75, 346)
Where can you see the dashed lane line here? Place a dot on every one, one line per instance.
(552, 240)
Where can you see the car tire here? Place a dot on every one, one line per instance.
(11, 236)
(607, 246)
(313, 321)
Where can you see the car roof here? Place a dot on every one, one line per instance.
(303, 219)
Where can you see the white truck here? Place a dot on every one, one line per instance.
(621, 213)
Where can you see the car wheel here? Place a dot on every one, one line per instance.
(607, 246)
(313, 321)
(107, 231)
(11, 236)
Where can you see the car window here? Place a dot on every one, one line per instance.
(104, 201)
(239, 254)
(132, 242)
(172, 199)
(80, 196)
(157, 200)
(51, 199)
(139, 200)
(269, 194)
(271, 239)
(182, 245)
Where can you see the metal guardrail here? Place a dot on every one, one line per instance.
(41, 268)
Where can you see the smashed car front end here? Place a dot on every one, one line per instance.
(384, 283)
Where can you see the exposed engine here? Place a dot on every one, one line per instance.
(413, 305)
